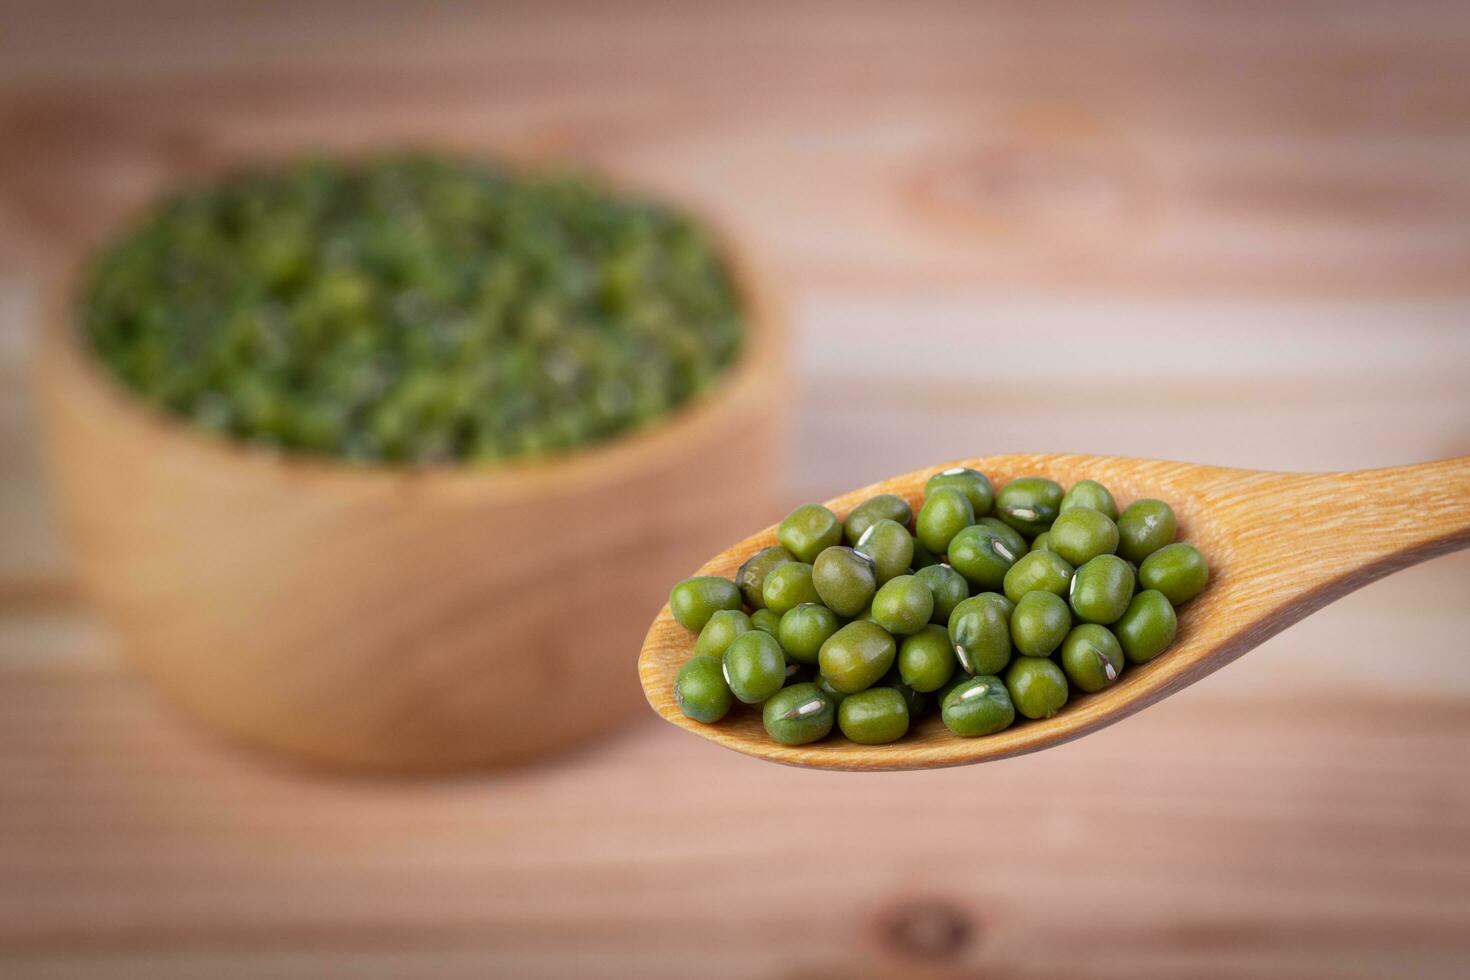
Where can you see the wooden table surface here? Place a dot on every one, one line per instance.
(1227, 233)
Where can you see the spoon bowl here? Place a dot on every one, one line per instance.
(1280, 546)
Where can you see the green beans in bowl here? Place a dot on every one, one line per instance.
(341, 442)
(413, 309)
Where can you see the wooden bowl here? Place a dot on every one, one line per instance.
(399, 619)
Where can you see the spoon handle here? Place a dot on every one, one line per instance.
(1314, 537)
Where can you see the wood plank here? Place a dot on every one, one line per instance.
(1320, 834)
(1194, 146)
(1271, 384)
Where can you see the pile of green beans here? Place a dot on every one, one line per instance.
(413, 309)
(990, 604)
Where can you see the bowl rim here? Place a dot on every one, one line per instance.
(65, 360)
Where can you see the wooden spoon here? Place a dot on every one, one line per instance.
(1280, 546)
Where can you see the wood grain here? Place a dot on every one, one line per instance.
(1241, 839)
(1280, 546)
(1305, 149)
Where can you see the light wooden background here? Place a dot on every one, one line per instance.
(1232, 233)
